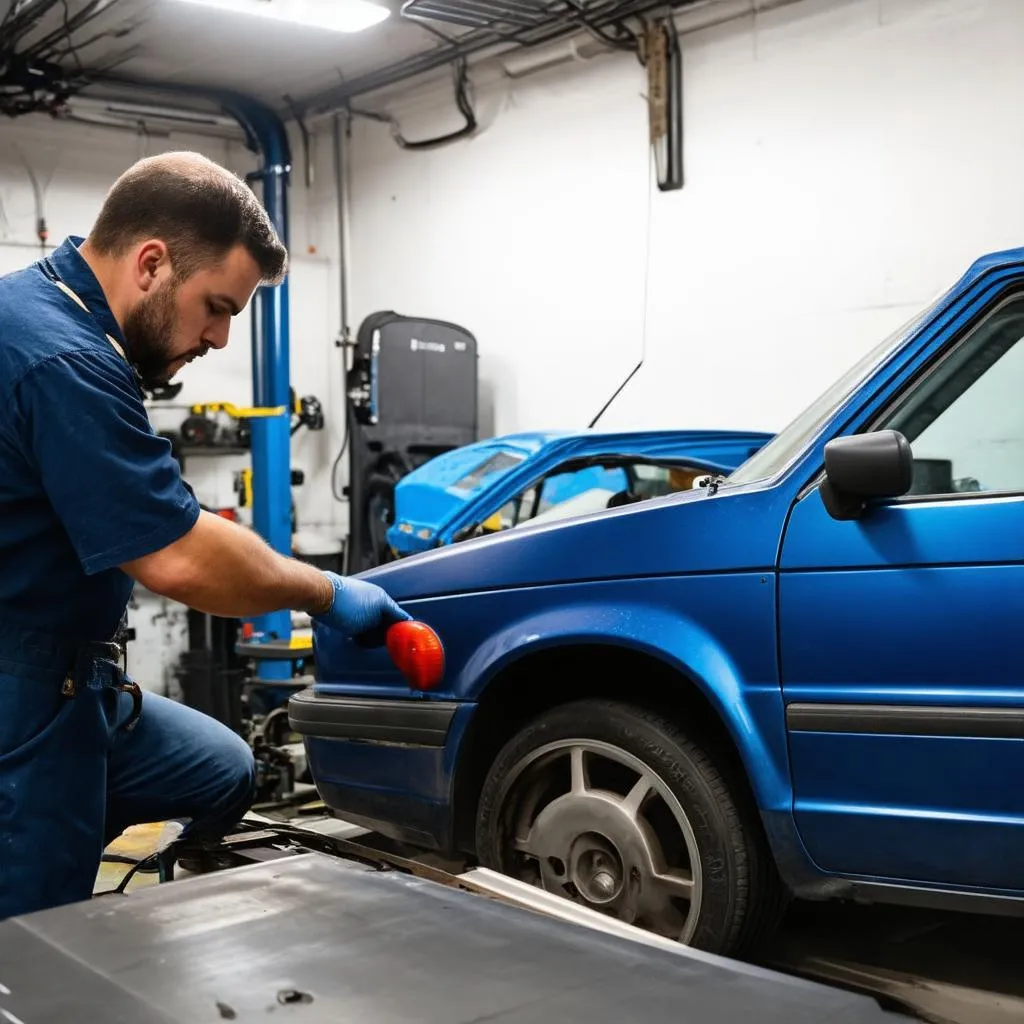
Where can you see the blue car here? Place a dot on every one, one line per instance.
(504, 482)
(805, 678)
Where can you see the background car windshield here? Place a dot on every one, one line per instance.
(497, 463)
(578, 492)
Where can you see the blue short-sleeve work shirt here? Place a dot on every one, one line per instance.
(85, 482)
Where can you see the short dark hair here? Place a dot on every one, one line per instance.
(199, 209)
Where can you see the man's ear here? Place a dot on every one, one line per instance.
(152, 263)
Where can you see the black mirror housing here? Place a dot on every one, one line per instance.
(863, 468)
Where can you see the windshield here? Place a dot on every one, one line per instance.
(783, 449)
(497, 463)
(577, 489)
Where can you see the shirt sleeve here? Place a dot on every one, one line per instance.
(111, 479)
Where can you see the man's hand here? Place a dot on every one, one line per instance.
(359, 607)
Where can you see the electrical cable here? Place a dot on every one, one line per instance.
(8, 16)
(20, 24)
(462, 101)
(344, 342)
(460, 68)
(32, 75)
(67, 29)
(647, 282)
(304, 134)
(55, 54)
(436, 32)
(344, 447)
(118, 858)
(71, 24)
(150, 863)
(38, 193)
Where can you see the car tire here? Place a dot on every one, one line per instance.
(563, 806)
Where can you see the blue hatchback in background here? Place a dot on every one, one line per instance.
(504, 482)
(805, 678)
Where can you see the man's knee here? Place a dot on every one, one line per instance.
(238, 768)
(232, 787)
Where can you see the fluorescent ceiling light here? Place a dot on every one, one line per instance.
(336, 15)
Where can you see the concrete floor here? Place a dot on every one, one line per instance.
(952, 968)
(947, 968)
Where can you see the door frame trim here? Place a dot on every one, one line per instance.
(907, 719)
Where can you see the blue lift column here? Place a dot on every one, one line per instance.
(271, 382)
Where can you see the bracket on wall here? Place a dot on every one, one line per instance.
(484, 24)
(662, 57)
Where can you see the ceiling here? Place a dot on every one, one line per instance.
(179, 43)
(185, 43)
(290, 67)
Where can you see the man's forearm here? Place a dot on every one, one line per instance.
(224, 569)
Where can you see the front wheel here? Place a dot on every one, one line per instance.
(617, 809)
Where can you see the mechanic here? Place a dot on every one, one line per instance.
(91, 501)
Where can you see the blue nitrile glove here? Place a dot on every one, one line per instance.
(359, 607)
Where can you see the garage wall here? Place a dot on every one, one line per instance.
(76, 165)
(845, 160)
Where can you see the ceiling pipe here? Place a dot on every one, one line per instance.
(341, 130)
(129, 113)
(540, 54)
(522, 65)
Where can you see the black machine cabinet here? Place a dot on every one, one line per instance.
(412, 395)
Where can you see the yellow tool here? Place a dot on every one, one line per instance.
(237, 412)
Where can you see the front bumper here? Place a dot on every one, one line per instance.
(420, 723)
(386, 764)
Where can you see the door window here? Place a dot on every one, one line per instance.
(965, 420)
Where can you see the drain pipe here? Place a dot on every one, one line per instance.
(271, 383)
(341, 126)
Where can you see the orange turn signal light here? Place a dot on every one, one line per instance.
(418, 654)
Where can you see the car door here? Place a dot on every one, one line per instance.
(902, 638)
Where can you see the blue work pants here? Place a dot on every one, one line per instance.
(72, 777)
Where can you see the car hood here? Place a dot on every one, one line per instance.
(427, 500)
(693, 531)
(428, 497)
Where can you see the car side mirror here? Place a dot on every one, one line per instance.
(863, 468)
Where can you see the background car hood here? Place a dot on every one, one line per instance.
(429, 504)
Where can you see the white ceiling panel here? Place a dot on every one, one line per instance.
(180, 43)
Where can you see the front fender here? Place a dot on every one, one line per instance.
(717, 631)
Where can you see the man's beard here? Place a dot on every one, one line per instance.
(149, 330)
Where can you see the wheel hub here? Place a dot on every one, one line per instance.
(596, 868)
(592, 844)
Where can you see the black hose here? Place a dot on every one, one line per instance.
(150, 863)
(462, 101)
(70, 25)
(14, 27)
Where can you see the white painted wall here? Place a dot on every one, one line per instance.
(845, 161)
(76, 165)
